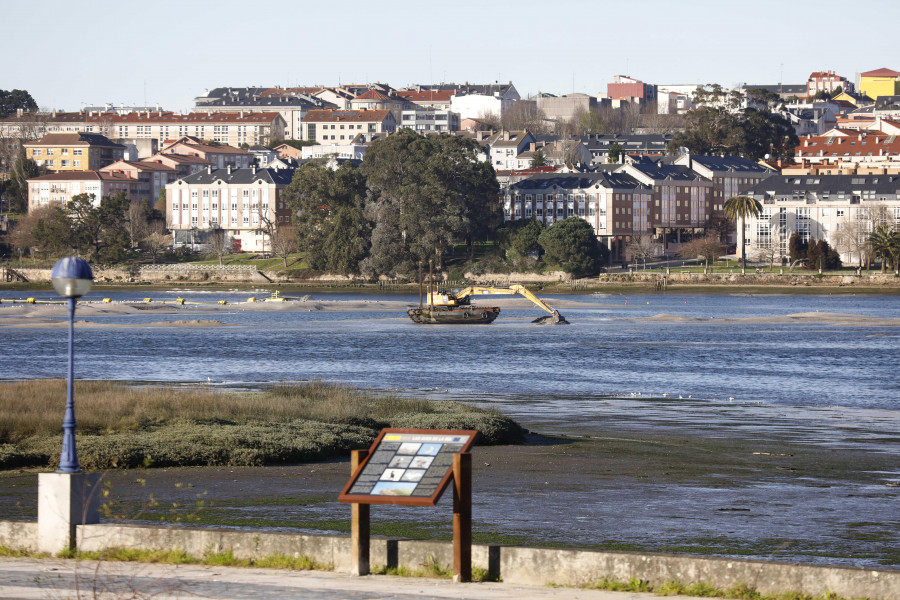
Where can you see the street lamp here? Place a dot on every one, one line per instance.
(72, 278)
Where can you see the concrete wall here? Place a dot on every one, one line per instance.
(529, 566)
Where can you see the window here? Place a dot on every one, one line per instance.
(49, 151)
(36, 152)
(64, 163)
(76, 163)
(65, 151)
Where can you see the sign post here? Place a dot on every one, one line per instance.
(359, 524)
(412, 467)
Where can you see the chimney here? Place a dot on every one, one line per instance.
(254, 168)
(209, 169)
(229, 169)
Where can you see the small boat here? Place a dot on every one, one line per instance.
(454, 315)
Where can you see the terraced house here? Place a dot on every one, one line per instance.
(79, 151)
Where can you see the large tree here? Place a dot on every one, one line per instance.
(439, 193)
(99, 230)
(719, 125)
(13, 100)
(885, 242)
(328, 207)
(572, 245)
(738, 209)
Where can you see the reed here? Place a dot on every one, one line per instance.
(120, 425)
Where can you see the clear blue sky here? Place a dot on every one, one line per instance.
(67, 54)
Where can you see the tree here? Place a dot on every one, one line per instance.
(12, 101)
(797, 249)
(100, 230)
(156, 241)
(518, 240)
(329, 205)
(643, 246)
(46, 229)
(718, 225)
(440, 193)
(885, 242)
(15, 189)
(718, 125)
(739, 208)
(709, 247)
(615, 153)
(572, 245)
(538, 159)
(524, 114)
(218, 243)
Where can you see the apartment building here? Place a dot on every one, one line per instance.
(57, 189)
(730, 175)
(429, 119)
(342, 126)
(841, 209)
(79, 151)
(848, 147)
(681, 202)
(291, 103)
(152, 176)
(615, 204)
(243, 203)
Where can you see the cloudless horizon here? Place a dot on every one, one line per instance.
(68, 55)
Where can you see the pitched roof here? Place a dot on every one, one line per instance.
(206, 148)
(345, 116)
(728, 163)
(240, 176)
(372, 95)
(425, 95)
(141, 165)
(195, 117)
(789, 185)
(74, 139)
(571, 181)
(873, 143)
(883, 72)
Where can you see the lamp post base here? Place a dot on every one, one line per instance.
(64, 501)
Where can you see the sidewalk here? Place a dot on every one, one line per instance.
(27, 578)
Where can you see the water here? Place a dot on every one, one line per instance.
(610, 349)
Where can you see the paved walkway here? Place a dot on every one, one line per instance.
(26, 578)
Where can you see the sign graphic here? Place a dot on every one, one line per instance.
(407, 466)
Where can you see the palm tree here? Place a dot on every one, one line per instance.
(738, 208)
(885, 242)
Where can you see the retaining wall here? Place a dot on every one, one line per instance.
(530, 566)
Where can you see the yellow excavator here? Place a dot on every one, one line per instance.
(454, 306)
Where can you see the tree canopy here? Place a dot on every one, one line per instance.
(425, 193)
(572, 245)
(718, 125)
(12, 100)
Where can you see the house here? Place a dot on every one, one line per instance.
(434, 99)
(244, 203)
(376, 100)
(848, 147)
(880, 82)
(341, 126)
(184, 164)
(220, 155)
(225, 128)
(153, 177)
(615, 204)
(599, 145)
(73, 151)
(504, 148)
(58, 189)
(826, 81)
(840, 209)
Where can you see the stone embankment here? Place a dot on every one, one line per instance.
(156, 274)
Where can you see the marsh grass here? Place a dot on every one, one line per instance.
(129, 426)
(215, 559)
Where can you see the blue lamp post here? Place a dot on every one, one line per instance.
(72, 278)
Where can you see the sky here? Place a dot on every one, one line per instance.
(71, 54)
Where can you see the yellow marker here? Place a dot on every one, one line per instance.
(107, 300)
(29, 301)
(251, 299)
(223, 301)
(148, 299)
(179, 300)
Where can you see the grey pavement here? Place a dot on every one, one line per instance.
(28, 578)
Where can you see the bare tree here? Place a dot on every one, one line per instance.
(136, 224)
(490, 119)
(282, 240)
(156, 240)
(771, 250)
(219, 243)
(524, 114)
(643, 246)
(851, 238)
(707, 248)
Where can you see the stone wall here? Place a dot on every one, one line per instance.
(517, 565)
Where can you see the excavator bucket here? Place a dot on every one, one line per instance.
(554, 319)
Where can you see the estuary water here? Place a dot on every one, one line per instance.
(710, 348)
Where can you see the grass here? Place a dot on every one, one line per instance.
(215, 559)
(122, 426)
(701, 590)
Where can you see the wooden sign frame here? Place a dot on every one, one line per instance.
(403, 465)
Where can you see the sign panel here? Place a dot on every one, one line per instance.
(407, 466)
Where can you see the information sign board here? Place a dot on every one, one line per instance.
(407, 466)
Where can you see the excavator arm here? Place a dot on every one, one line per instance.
(463, 297)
